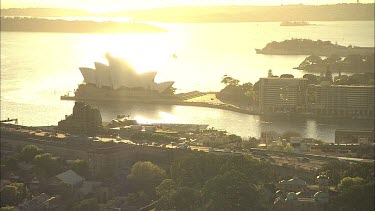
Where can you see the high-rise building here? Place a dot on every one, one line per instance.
(283, 95)
(343, 100)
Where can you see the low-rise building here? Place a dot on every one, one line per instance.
(292, 185)
(345, 136)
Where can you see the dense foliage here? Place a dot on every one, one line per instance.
(353, 63)
(236, 93)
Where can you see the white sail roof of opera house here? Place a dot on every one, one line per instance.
(118, 73)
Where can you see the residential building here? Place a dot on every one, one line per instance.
(354, 101)
(283, 95)
(293, 185)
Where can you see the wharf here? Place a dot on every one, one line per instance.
(177, 101)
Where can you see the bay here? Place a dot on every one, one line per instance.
(37, 68)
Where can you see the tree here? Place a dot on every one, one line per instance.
(311, 78)
(328, 75)
(247, 86)
(286, 76)
(29, 152)
(47, 163)
(9, 195)
(7, 208)
(356, 198)
(11, 164)
(230, 191)
(13, 194)
(313, 59)
(229, 81)
(87, 205)
(146, 176)
(348, 182)
(195, 169)
(165, 192)
(80, 167)
(186, 198)
(288, 148)
(270, 74)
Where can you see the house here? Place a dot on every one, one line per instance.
(70, 178)
(292, 185)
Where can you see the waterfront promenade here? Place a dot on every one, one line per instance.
(184, 99)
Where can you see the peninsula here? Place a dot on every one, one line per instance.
(311, 47)
(353, 63)
(18, 24)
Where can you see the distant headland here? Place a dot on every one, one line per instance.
(207, 14)
(353, 63)
(18, 24)
(311, 47)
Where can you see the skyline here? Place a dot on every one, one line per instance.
(113, 5)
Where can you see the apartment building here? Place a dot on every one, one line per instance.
(343, 100)
(283, 95)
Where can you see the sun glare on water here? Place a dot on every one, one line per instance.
(164, 118)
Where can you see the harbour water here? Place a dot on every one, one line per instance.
(37, 68)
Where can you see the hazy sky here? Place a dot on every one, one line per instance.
(113, 5)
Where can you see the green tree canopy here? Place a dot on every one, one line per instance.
(7, 208)
(11, 163)
(229, 81)
(286, 76)
(356, 198)
(81, 167)
(47, 163)
(87, 205)
(230, 191)
(165, 191)
(186, 198)
(146, 176)
(348, 182)
(29, 152)
(12, 194)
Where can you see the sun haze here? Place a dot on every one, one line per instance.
(113, 5)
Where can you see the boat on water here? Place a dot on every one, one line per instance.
(295, 23)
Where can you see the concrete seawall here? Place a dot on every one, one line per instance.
(168, 102)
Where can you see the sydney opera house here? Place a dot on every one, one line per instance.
(119, 79)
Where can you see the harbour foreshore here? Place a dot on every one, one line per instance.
(168, 102)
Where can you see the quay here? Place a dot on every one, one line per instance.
(176, 101)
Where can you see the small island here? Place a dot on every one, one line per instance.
(311, 47)
(295, 23)
(353, 63)
(22, 24)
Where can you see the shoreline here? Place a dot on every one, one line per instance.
(225, 107)
(171, 102)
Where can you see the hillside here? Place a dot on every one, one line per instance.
(337, 12)
(45, 25)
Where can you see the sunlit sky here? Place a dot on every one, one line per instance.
(115, 5)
